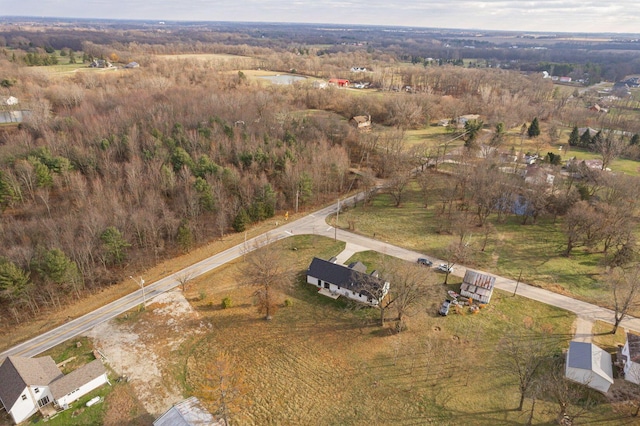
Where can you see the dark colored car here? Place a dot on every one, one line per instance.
(444, 309)
(425, 262)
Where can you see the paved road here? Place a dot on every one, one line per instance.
(314, 223)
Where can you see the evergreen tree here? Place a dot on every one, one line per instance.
(635, 139)
(115, 245)
(241, 221)
(534, 129)
(574, 137)
(585, 139)
(185, 236)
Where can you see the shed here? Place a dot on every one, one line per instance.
(477, 286)
(589, 365)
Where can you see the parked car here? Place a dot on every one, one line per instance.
(444, 309)
(425, 261)
(443, 267)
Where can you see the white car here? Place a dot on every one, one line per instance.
(445, 268)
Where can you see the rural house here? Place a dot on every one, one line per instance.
(28, 385)
(630, 357)
(334, 280)
(361, 122)
(477, 286)
(189, 412)
(589, 365)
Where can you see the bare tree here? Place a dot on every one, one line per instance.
(522, 357)
(609, 146)
(625, 291)
(267, 273)
(184, 278)
(408, 290)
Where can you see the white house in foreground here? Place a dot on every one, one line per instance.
(477, 286)
(631, 358)
(589, 365)
(334, 280)
(28, 385)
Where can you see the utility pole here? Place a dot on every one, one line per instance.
(297, 195)
(335, 228)
(141, 284)
(517, 283)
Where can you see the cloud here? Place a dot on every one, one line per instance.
(539, 15)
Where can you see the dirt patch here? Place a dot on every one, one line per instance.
(137, 346)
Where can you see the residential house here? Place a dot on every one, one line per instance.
(340, 82)
(189, 412)
(319, 84)
(462, 120)
(100, 63)
(477, 286)
(630, 355)
(589, 365)
(132, 65)
(361, 122)
(335, 280)
(565, 79)
(28, 385)
(537, 175)
(358, 69)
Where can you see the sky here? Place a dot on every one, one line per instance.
(593, 16)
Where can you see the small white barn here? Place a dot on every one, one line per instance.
(477, 286)
(28, 385)
(631, 358)
(335, 280)
(589, 365)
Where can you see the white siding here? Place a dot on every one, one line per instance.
(23, 409)
(631, 369)
(82, 390)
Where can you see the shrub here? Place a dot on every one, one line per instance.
(227, 303)
(203, 295)
(288, 303)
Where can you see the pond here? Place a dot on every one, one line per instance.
(283, 78)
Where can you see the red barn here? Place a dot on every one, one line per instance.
(340, 82)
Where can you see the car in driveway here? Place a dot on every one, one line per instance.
(424, 261)
(444, 309)
(443, 267)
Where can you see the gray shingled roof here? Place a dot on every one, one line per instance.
(345, 277)
(580, 355)
(16, 373)
(634, 347)
(189, 412)
(77, 378)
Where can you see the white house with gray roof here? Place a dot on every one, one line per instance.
(630, 355)
(353, 282)
(28, 385)
(589, 365)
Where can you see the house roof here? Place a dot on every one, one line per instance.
(16, 373)
(479, 280)
(77, 378)
(633, 341)
(361, 119)
(591, 358)
(345, 277)
(189, 412)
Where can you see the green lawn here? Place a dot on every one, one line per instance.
(536, 250)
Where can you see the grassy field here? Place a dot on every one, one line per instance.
(533, 249)
(321, 362)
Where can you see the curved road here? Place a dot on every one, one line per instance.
(314, 223)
